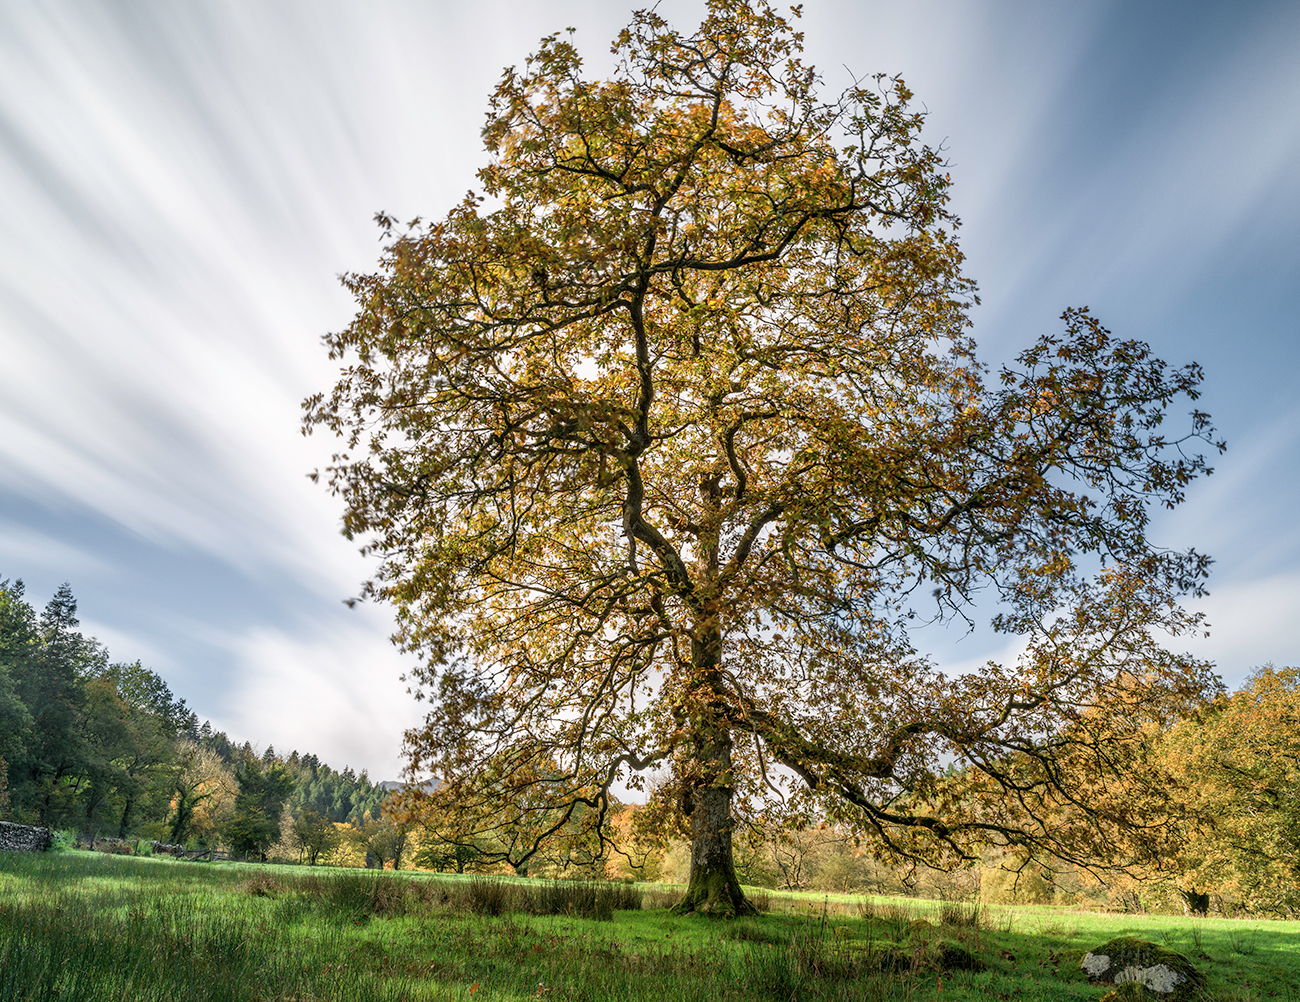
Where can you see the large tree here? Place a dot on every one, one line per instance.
(1238, 763)
(664, 438)
(50, 672)
(254, 824)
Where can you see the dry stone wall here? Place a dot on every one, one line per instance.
(23, 838)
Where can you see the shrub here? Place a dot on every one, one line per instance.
(962, 916)
(1012, 884)
(486, 896)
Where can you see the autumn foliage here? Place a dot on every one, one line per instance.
(1237, 765)
(664, 439)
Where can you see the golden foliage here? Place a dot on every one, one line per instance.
(1237, 763)
(662, 446)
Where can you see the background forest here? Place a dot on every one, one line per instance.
(96, 747)
(105, 748)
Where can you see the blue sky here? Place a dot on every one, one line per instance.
(181, 184)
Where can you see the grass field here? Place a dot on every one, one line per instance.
(84, 926)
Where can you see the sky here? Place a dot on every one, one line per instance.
(182, 184)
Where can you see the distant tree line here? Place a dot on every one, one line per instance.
(105, 747)
(94, 745)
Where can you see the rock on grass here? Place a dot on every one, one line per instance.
(1129, 961)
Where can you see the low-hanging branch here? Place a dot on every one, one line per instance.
(666, 449)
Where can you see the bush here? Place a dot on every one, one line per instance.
(1010, 884)
(486, 896)
(962, 916)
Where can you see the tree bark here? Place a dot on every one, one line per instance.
(714, 888)
(126, 816)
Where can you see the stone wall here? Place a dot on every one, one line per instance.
(23, 838)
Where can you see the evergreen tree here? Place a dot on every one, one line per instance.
(49, 778)
(108, 745)
(17, 646)
(263, 789)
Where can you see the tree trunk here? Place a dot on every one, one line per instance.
(181, 824)
(126, 816)
(714, 888)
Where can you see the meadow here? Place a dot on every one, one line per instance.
(90, 926)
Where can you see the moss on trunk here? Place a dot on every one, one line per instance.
(717, 893)
(714, 888)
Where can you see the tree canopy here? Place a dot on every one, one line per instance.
(665, 437)
(1238, 760)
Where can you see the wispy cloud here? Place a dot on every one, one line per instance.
(180, 185)
(1251, 623)
(334, 689)
(22, 546)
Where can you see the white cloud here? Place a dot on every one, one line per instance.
(180, 184)
(335, 692)
(1251, 623)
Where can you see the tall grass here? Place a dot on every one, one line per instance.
(962, 916)
(107, 927)
(77, 926)
(589, 900)
(358, 896)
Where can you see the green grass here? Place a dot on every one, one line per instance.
(83, 926)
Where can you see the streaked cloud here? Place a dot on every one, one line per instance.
(181, 184)
(1252, 623)
(334, 688)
